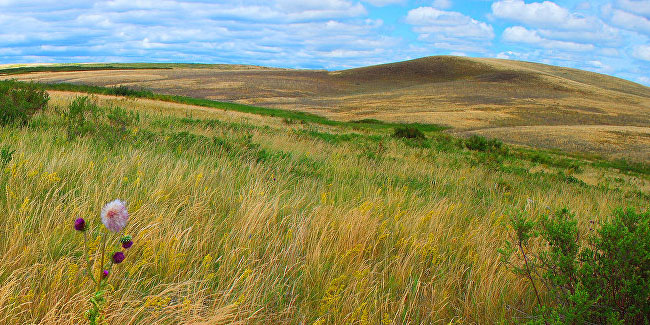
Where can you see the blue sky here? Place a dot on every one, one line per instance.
(607, 36)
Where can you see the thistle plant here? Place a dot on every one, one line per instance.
(114, 216)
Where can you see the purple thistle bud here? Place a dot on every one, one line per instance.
(80, 224)
(105, 274)
(118, 257)
(127, 244)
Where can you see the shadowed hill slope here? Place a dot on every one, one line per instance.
(419, 71)
(492, 97)
(450, 68)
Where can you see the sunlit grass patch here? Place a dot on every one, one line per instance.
(240, 221)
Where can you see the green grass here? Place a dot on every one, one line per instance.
(242, 219)
(551, 158)
(263, 111)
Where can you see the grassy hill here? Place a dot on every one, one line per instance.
(490, 97)
(239, 215)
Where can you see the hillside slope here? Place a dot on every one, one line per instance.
(239, 218)
(470, 95)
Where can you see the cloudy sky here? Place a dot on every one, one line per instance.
(607, 36)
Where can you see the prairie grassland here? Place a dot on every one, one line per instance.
(467, 94)
(239, 218)
(631, 142)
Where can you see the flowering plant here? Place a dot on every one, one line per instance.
(114, 216)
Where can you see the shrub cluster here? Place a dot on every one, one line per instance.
(83, 116)
(20, 101)
(600, 278)
(479, 143)
(408, 132)
(122, 90)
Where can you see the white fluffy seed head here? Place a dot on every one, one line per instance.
(115, 216)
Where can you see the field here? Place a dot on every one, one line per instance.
(606, 116)
(250, 218)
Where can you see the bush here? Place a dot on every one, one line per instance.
(604, 278)
(408, 132)
(20, 101)
(122, 90)
(5, 155)
(81, 117)
(479, 143)
(120, 119)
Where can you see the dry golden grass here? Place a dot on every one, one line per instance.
(465, 93)
(630, 142)
(313, 232)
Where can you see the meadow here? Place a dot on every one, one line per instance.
(564, 109)
(239, 216)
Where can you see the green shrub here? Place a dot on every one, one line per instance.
(570, 179)
(109, 125)
(120, 119)
(596, 279)
(625, 165)
(408, 132)
(5, 155)
(81, 117)
(446, 142)
(20, 101)
(479, 143)
(122, 90)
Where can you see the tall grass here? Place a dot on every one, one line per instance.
(288, 115)
(237, 222)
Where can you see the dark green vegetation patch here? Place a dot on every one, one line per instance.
(601, 277)
(20, 101)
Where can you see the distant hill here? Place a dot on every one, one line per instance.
(572, 109)
(450, 68)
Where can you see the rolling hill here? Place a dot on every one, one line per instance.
(518, 102)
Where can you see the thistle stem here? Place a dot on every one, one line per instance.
(88, 268)
(101, 265)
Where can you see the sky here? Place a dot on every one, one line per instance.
(606, 36)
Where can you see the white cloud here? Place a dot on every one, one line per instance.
(541, 14)
(323, 33)
(602, 35)
(610, 52)
(306, 33)
(320, 8)
(547, 25)
(252, 10)
(598, 66)
(519, 34)
(442, 4)
(628, 20)
(380, 3)
(450, 30)
(447, 24)
(522, 56)
(642, 52)
(640, 7)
